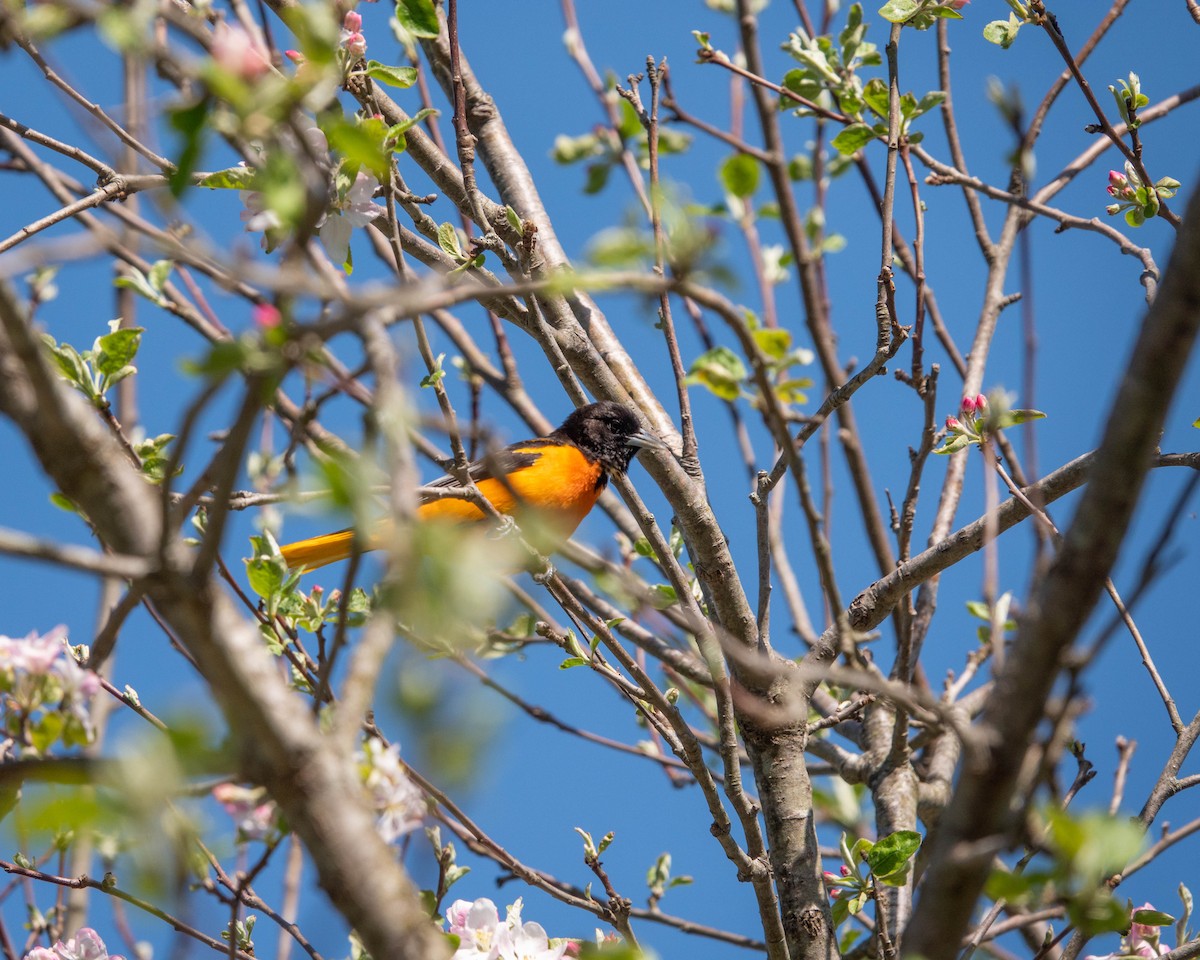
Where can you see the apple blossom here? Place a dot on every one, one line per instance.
(85, 945)
(239, 52)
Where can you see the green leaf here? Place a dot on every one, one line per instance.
(1002, 32)
(663, 596)
(68, 360)
(1014, 417)
(792, 390)
(191, 124)
(953, 445)
(436, 374)
(1153, 918)
(403, 77)
(1098, 914)
(803, 84)
(739, 175)
(597, 178)
(720, 370)
(840, 909)
(775, 343)
(448, 240)
(514, 219)
(418, 17)
(853, 138)
(266, 575)
(117, 349)
(134, 279)
(362, 143)
(898, 11)
(891, 854)
(234, 178)
(283, 188)
(63, 502)
(875, 96)
(934, 98)
(159, 273)
(573, 662)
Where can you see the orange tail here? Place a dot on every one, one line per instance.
(318, 551)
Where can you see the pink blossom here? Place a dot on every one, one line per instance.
(266, 316)
(481, 934)
(958, 4)
(1143, 940)
(249, 808)
(398, 801)
(85, 945)
(952, 423)
(238, 52)
(352, 39)
(295, 56)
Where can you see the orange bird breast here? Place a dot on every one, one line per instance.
(561, 485)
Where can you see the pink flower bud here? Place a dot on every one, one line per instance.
(845, 870)
(294, 55)
(958, 4)
(355, 44)
(267, 316)
(952, 423)
(980, 403)
(352, 22)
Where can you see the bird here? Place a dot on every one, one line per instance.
(557, 478)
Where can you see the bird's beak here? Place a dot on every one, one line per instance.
(643, 438)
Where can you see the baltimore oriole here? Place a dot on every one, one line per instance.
(558, 478)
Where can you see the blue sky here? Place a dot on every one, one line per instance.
(531, 786)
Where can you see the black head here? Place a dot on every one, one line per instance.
(608, 432)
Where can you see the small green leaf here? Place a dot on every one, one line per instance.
(63, 502)
(1002, 32)
(436, 374)
(853, 138)
(892, 853)
(875, 96)
(448, 240)
(739, 175)
(801, 82)
(117, 349)
(159, 273)
(514, 219)
(403, 77)
(1014, 417)
(1153, 918)
(898, 11)
(266, 576)
(572, 662)
(953, 445)
(135, 280)
(234, 178)
(720, 370)
(191, 124)
(418, 17)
